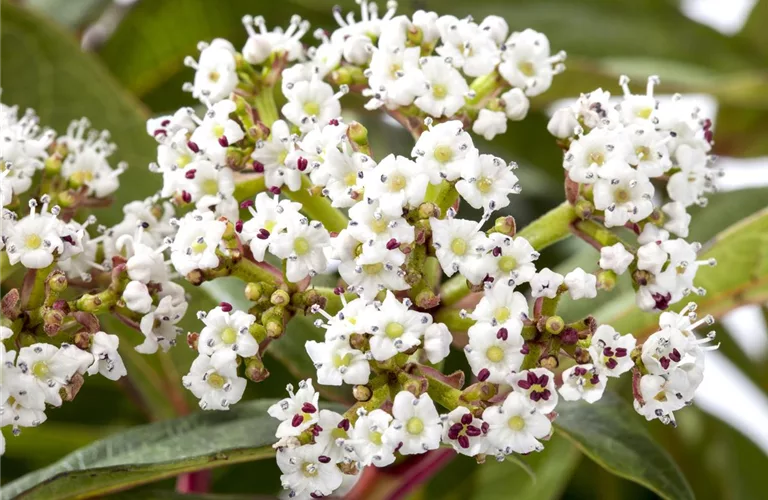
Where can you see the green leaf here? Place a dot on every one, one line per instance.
(740, 277)
(148, 453)
(754, 31)
(44, 68)
(612, 435)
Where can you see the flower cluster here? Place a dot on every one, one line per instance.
(612, 152)
(282, 198)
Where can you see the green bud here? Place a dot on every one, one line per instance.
(584, 209)
(554, 325)
(606, 280)
(358, 133)
(362, 392)
(255, 369)
(505, 225)
(280, 298)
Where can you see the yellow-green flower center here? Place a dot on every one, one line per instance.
(309, 469)
(516, 423)
(301, 246)
(33, 241)
(507, 263)
(199, 246)
(210, 186)
(459, 246)
(215, 380)
(443, 154)
(183, 160)
(643, 153)
(40, 370)
(229, 335)
(339, 361)
(527, 68)
(439, 91)
(644, 112)
(394, 330)
(378, 225)
(596, 157)
(311, 108)
(494, 354)
(214, 76)
(484, 184)
(350, 179)
(397, 182)
(501, 314)
(375, 437)
(373, 268)
(414, 425)
(218, 130)
(621, 195)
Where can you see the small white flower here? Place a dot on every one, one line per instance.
(49, 370)
(516, 105)
(516, 426)
(35, 239)
(488, 183)
(416, 427)
(489, 124)
(107, 360)
(526, 62)
(465, 432)
(664, 350)
(396, 182)
(269, 218)
(538, 385)
(346, 171)
(367, 438)
(137, 298)
(514, 259)
(583, 382)
(159, 326)
(694, 178)
(394, 77)
(662, 395)
(615, 258)
(375, 269)
(610, 351)
(678, 219)
(297, 412)
(651, 154)
(437, 342)
(602, 153)
(445, 88)
(368, 222)
(306, 472)
(625, 197)
(337, 363)
(227, 331)
(395, 328)
(461, 247)
(444, 151)
(563, 123)
(311, 102)
(271, 158)
(332, 435)
(545, 283)
(215, 76)
(81, 359)
(581, 285)
(302, 244)
(196, 242)
(500, 305)
(469, 47)
(494, 352)
(218, 131)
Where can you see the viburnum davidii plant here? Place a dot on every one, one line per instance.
(265, 181)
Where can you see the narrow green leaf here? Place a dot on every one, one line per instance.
(612, 435)
(155, 451)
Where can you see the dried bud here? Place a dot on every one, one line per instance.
(52, 321)
(69, 391)
(192, 338)
(10, 304)
(550, 362)
(362, 392)
(569, 336)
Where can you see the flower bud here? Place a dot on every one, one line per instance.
(549, 362)
(257, 49)
(255, 369)
(192, 338)
(584, 209)
(82, 340)
(562, 123)
(362, 392)
(52, 321)
(516, 104)
(554, 325)
(137, 298)
(57, 282)
(356, 49)
(358, 133)
(569, 336)
(280, 298)
(606, 280)
(505, 225)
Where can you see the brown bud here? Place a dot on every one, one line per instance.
(569, 336)
(69, 391)
(52, 320)
(581, 355)
(61, 305)
(192, 338)
(415, 385)
(195, 277)
(88, 320)
(426, 299)
(10, 304)
(357, 341)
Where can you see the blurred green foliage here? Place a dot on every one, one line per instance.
(139, 71)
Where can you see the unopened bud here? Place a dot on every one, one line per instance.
(569, 336)
(550, 362)
(554, 325)
(427, 210)
(82, 340)
(52, 321)
(57, 281)
(606, 280)
(584, 209)
(192, 338)
(505, 225)
(362, 392)
(280, 298)
(255, 369)
(357, 133)
(416, 386)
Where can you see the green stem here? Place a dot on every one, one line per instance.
(453, 290)
(37, 295)
(6, 269)
(249, 188)
(443, 394)
(251, 272)
(595, 234)
(333, 302)
(483, 86)
(318, 207)
(453, 320)
(264, 102)
(531, 359)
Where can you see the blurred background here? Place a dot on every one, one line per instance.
(714, 50)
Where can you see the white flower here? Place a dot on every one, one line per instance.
(664, 350)
(376, 268)
(637, 108)
(346, 171)
(602, 153)
(563, 123)
(311, 102)
(269, 218)
(146, 264)
(581, 285)
(196, 242)
(663, 394)
(214, 380)
(615, 258)
(445, 88)
(652, 156)
(394, 77)
(469, 47)
(159, 326)
(170, 125)
(595, 109)
(34, 239)
(81, 359)
(437, 342)
(500, 305)
(317, 143)
(461, 247)
(538, 385)
(489, 124)
(545, 283)
(495, 27)
(227, 331)
(610, 351)
(337, 363)
(526, 62)
(494, 352)
(137, 298)
(215, 76)
(271, 156)
(585, 382)
(416, 427)
(514, 259)
(444, 151)
(208, 184)
(677, 220)
(368, 222)
(464, 432)
(49, 370)
(367, 438)
(694, 178)
(516, 426)
(86, 161)
(516, 105)
(488, 183)
(297, 412)
(395, 328)
(626, 197)
(107, 360)
(306, 472)
(218, 131)
(396, 182)
(302, 244)
(331, 434)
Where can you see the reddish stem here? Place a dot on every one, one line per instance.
(194, 482)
